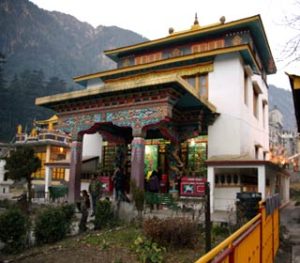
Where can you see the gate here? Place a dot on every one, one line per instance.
(257, 241)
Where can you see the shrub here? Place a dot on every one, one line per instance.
(14, 226)
(69, 212)
(104, 215)
(148, 251)
(5, 203)
(176, 232)
(51, 225)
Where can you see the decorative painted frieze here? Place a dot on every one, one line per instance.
(137, 118)
(75, 123)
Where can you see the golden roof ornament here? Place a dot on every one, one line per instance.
(196, 23)
(171, 30)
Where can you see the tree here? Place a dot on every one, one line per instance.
(2, 80)
(3, 98)
(21, 164)
(291, 50)
(55, 85)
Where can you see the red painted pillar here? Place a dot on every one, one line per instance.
(137, 161)
(75, 171)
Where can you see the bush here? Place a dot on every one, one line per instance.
(5, 203)
(176, 232)
(148, 251)
(52, 224)
(104, 215)
(69, 212)
(14, 227)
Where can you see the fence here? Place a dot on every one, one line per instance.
(257, 241)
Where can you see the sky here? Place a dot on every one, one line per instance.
(152, 19)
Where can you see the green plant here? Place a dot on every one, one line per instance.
(51, 225)
(118, 260)
(5, 203)
(176, 232)
(69, 212)
(148, 251)
(104, 215)
(138, 196)
(14, 226)
(22, 163)
(219, 233)
(104, 245)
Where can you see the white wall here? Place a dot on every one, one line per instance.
(225, 198)
(225, 93)
(94, 83)
(4, 185)
(2, 164)
(92, 145)
(236, 131)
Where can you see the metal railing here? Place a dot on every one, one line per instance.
(44, 135)
(257, 241)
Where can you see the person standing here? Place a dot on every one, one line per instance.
(154, 186)
(85, 205)
(118, 179)
(95, 189)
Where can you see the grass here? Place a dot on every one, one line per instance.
(120, 236)
(123, 237)
(113, 244)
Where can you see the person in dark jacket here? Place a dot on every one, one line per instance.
(85, 205)
(95, 189)
(153, 187)
(154, 182)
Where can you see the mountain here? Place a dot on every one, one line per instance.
(43, 50)
(58, 44)
(42, 47)
(283, 100)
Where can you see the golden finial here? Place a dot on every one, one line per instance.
(222, 19)
(19, 129)
(171, 30)
(196, 22)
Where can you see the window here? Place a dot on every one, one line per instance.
(245, 88)
(264, 114)
(247, 78)
(148, 58)
(203, 86)
(256, 152)
(200, 83)
(256, 91)
(58, 174)
(255, 103)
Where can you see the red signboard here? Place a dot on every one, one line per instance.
(192, 187)
(107, 184)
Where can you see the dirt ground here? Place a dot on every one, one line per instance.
(73, 250)
(89, 247)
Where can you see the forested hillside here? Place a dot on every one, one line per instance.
(42, 52)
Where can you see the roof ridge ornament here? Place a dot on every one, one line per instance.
(196, 23)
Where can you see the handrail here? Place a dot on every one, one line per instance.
(228, 241)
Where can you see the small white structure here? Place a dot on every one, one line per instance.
(91, 156)
(4, 183)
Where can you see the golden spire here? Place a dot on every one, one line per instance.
(196, 23)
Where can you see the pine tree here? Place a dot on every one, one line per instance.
(21, 164)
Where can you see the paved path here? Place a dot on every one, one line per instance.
(290, 218)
